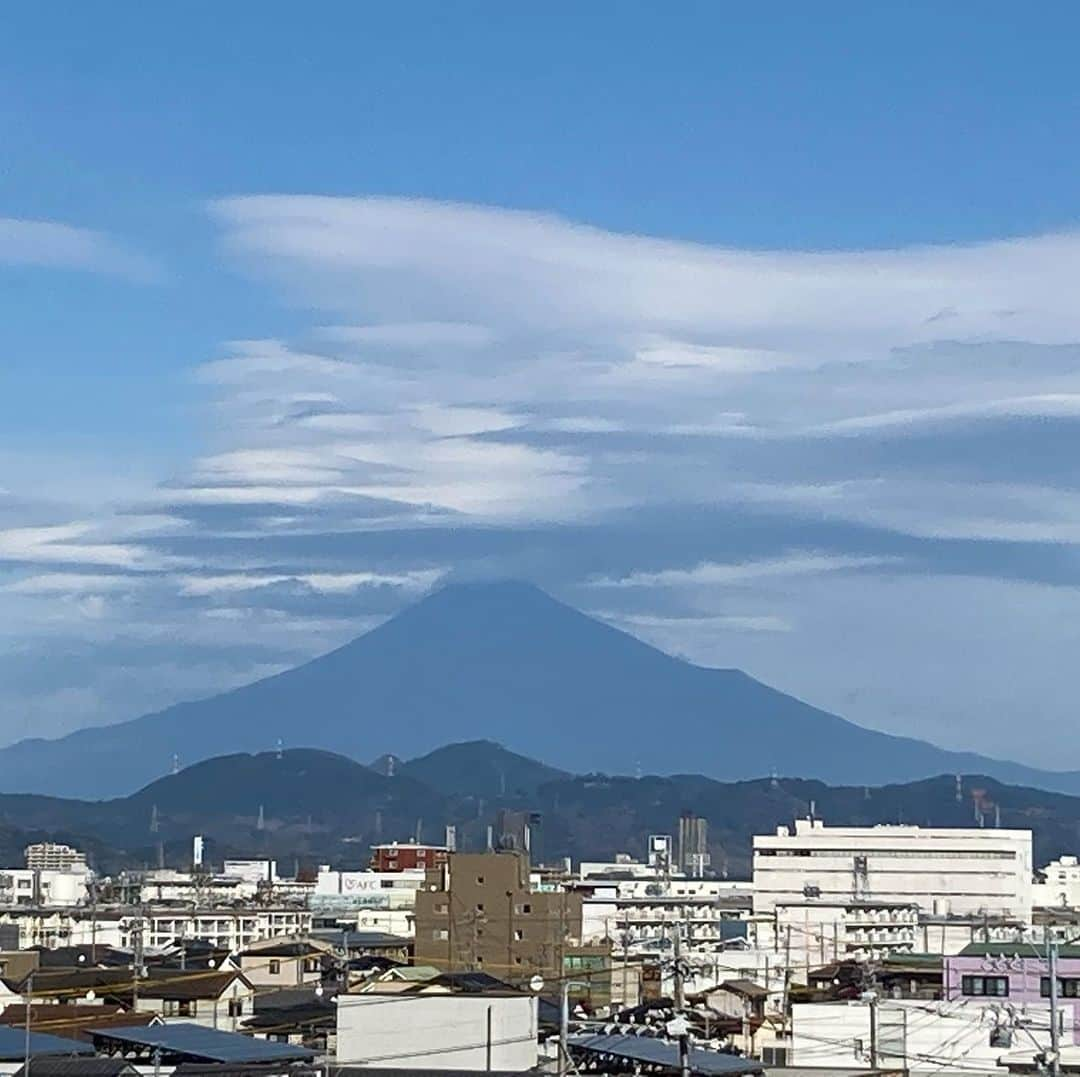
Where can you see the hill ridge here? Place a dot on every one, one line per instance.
(507, 663)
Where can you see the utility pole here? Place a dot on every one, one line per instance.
(683, 1026)
(137, 959)
(873, 1030)
(29, 1007)
(564, 1025)
(1055, 1053)
(680, 993)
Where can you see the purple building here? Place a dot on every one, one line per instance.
(1016, 973)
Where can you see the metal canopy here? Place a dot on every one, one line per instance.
(649, 1051)
(185, 1041)
(13, 1045)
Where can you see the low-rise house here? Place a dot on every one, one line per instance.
(902, 976)
(399, 979)
(221, 1000)
(298, 1015)
(67, 985)
(353, 944)
(286, 962)
(72, 1021)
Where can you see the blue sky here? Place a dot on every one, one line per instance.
(749, 328)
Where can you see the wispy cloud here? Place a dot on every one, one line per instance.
(712, 443)
(50, 244)
(712, 573)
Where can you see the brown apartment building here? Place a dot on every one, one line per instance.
(478, 912)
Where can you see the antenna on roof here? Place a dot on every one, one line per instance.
(997, 815)
(261, 824)
(175, 763)
(390, 761)
(959, 789)
(280, 748)
(637, 770)
(154, 826)
(774, 779)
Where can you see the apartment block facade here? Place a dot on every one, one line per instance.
(479, 912)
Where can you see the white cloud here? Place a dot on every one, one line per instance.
(712, 573)
(68, 583)
(483, 266)
(329, 583)
(50, 244)
(69, 543)
(518, 375)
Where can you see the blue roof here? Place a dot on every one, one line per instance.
(13, 1045)
(196, 1043)
(656, 1052)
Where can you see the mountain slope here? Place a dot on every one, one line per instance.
(480, 768)
(321, 808)
(507, 663)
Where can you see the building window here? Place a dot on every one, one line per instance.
(236, 1007)
(1068, 987)
(985, 986)
(1001, 1037)
(479, 880)
(519, 935)
(442, 908)
(440, 933)
(275, 967)
(523, 910)
(479, 906)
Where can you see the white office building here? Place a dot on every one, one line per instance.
(1059, 887)
(943, 871)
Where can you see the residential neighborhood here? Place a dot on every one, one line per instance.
(833, 955)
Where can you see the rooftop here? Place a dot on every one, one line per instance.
(1015, 949)
(13, 1045)
(187, 1042)
(647, 1051)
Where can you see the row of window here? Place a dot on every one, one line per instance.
(913, 854)
(998, 986)
(443, 933)
(442, 908)
(985, 986)
(189, 1007)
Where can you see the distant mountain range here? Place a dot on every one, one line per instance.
(508, 663)
(309, 806)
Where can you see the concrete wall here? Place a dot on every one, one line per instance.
(437, 1031)
(926, 1037)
